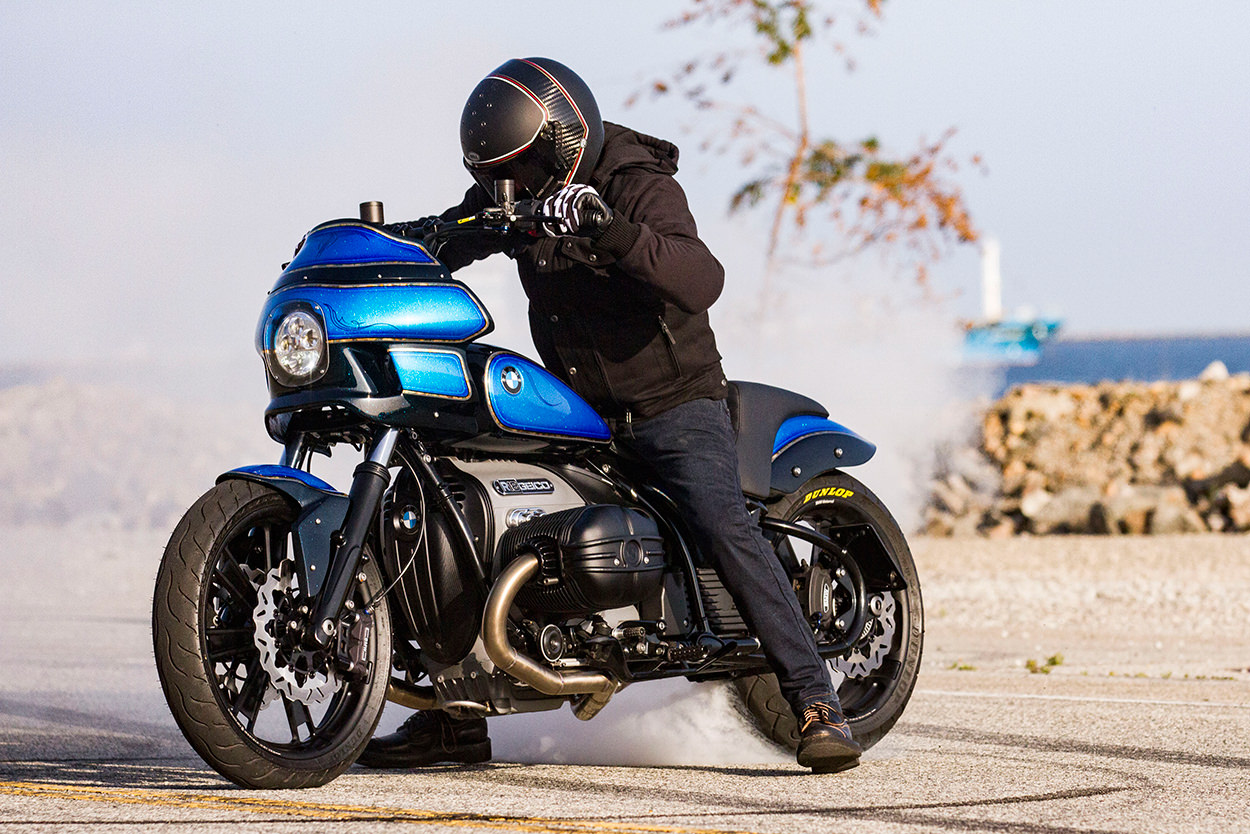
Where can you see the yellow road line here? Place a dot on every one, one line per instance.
(327, 812)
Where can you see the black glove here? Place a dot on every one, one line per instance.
(576, 210)
(415, 229)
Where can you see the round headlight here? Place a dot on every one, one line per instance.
(299, 346)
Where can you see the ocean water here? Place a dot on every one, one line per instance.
(1142, 359)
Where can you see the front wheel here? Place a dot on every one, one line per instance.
(874, 678)
(256, 706)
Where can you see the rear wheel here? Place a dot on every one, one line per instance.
(875, 676)
(261, 710)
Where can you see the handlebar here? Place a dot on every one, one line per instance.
(508, 215)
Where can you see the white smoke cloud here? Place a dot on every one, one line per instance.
(109, 455)
(883, 360)
(659, 723)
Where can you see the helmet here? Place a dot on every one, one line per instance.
(533, 121)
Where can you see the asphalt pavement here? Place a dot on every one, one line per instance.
(1108, 692)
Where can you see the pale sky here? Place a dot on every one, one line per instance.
(161, 160)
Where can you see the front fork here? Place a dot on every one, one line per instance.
(369, 481)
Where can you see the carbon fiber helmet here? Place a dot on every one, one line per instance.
(534, 121)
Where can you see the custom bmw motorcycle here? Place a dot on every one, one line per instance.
(496, 552)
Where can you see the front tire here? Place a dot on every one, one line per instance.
(874, 679)
(261, 712)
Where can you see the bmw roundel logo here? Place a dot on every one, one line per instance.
(511, 379)
(409, 518)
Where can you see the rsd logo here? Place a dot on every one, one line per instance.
(511, 379)
(523, 486)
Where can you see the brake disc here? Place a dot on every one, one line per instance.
(292, 671)
(869, 652)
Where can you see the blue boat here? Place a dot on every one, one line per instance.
(1009, 342)
(1003, 341)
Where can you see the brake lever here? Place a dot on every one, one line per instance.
(520, 217)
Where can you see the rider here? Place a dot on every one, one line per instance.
(619, 287)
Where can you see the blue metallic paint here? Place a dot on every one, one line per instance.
(351, 243)
(394, 312)
(797, 428)
(267, 471)
(543, 405)
(809, 446)
(435, 372)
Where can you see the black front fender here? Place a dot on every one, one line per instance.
(321, 513)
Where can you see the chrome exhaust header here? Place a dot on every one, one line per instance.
(597, 688)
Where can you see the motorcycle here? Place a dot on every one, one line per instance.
(496, 552)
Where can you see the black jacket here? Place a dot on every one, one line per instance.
(622, 318)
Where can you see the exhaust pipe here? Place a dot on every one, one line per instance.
(596, 688)
(410, 695)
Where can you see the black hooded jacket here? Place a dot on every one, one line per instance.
(621, 318)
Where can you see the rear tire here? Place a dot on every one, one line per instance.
(224, 558)
(874, 679)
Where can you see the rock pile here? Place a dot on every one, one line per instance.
(1113, 458)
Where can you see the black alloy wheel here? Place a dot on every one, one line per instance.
(875, 676)
(261, 710)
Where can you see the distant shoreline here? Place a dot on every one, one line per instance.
(1145, 337)
(1088, 360)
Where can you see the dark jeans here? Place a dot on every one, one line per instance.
(692, 449)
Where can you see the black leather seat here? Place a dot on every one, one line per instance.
(757, 412)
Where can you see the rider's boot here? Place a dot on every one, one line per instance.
(825, 743)
(428, 738)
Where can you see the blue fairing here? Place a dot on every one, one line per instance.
(525, 397)
(435, 372)
(348, 243)
(392, 312)
(797, 428)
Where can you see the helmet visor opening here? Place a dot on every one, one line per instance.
(535, 171)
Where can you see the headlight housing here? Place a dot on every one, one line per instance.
(298, 354)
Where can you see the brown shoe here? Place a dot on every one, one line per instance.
(825, 743)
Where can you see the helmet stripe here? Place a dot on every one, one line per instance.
(576, 110)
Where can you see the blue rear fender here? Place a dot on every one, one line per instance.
(808, 446)
(321, 512)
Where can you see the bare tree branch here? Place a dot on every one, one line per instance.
(873, 199)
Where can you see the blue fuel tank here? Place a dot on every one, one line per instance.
(525, 397)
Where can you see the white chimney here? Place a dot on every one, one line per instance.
(991, 281)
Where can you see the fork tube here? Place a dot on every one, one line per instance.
(294, 452)
(368, 483)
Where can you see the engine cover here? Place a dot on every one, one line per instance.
(593, 558)
(442, 599)
(511, 492)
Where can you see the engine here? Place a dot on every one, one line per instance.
(442, 601)
(590, 558)
(593, 558)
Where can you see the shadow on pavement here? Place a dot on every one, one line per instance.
(166, 774)
(32, 729)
